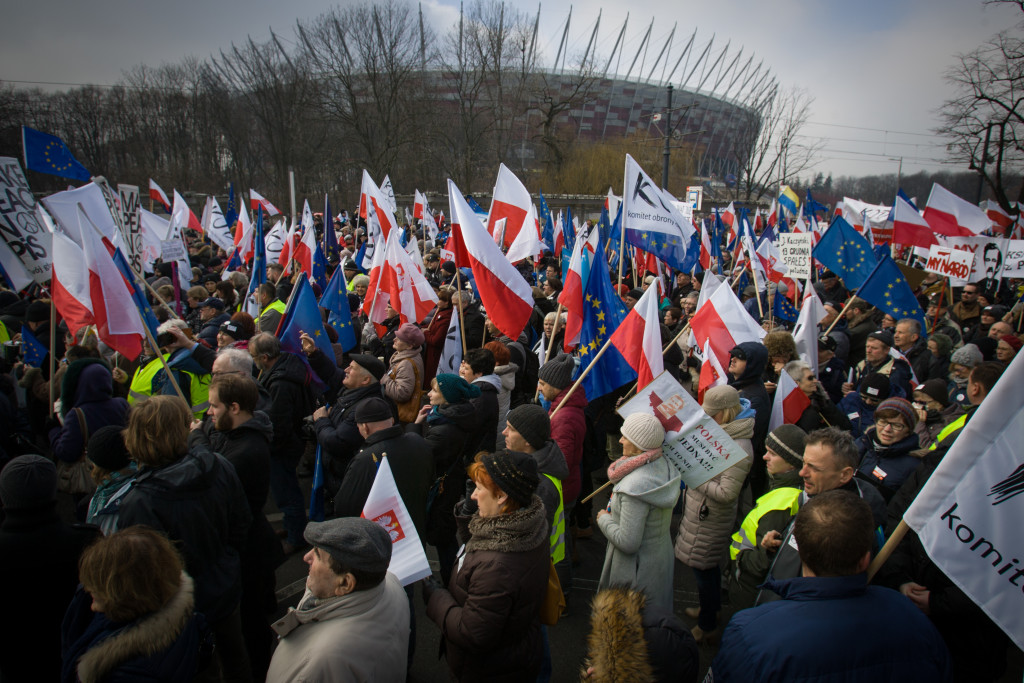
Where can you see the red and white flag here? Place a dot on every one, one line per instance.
(287, 247)
(307, 243)
(998, 216)
(157, 194)
(571, 296)
(215, 226)
(771, 261)
(805, 332)
(705, 247)
(408, 291)
(506, 296)
(527, 243)
(421, 211)
(638, 338)
(384, 505)
(70, 284)
(256, 200)
(711, 373)
(729, 218)
(909, 227)
(182, 215)
(789, 404)
(375, 303)
(244, 236)
(511, 202)
(375, 209)
(952, 216)
(724, 321)
(773, 214)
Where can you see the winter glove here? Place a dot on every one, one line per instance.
(429, 584)
(468, 506)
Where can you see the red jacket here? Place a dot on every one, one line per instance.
(433, 343)
(568, 430)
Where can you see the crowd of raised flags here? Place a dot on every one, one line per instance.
(644, 232)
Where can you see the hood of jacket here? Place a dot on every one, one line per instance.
(550, 460)
(87, 380)
(745, 410)
(616, 647)
(507, 375)
(259, 423)
(656, 483)
(757, 361)
(194, 472)
(491, 380)
(181, 359)
(312, 610)
(462, 414)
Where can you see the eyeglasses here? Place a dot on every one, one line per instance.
(894, 426)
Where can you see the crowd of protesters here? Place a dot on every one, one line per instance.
(134, 491)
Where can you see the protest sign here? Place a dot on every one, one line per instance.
(949, 262)
(172, 250)
(131, 228)
(795, 249)
(20, 229)
(694, 443)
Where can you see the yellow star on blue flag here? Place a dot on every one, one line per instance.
(846, 253)
(886, 288)
(45, 153)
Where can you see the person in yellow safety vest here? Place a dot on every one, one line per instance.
(784, 452)
(193, 380)
(351, 271)
(271, 309)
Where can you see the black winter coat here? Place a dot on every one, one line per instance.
(291, 400)
(338, 435)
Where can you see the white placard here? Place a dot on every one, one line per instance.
(694, 443)
(172, 250)
(695, 196)
(949, 262)
(795, 249)
(19, 228)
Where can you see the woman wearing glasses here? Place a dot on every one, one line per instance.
(889, 450)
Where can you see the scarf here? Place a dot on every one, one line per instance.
(618, 470)
(514, 532)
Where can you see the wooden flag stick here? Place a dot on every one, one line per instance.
(551, 342)
(462, 321)
(583, 376)
(597, 491)
(838, 317)
(887, 550)
(53, 347)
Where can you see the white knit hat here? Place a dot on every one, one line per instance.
(644, 431)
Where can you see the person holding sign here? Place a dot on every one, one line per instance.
(637, 522)
(709, 510)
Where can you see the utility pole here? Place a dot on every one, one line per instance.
(984, 158)
(668, 139)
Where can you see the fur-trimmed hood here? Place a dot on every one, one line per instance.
(616, 649)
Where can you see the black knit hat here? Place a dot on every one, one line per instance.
(884, 336)
(875, 386)
(28, 481)
(532, 422)
(37, 312)
(515, 473)
(787, 441)
(558, 371)
(371, 364)
(106, 448)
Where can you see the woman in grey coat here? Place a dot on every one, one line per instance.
(638, 520)
(709, 510)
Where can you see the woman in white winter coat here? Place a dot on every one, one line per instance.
(638, 520)
(709, 510)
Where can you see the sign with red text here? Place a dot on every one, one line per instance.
(694, 443)
(949, 262)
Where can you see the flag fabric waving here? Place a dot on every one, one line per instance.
(887, 289)
(805, 332)
(783, 308)
(512, 202)
(375, 209)
(967, 516)
(571, 296)
(997, 215)
(846, 253)
(409, 293)
(638, 338)
(711, 373)
(331, 248)
(335, 300)
(789, 404)
(45, 153)
(384, 505)
(908, 226)
(789, 200)
(32, 350)
(527, 243)
(507, 297)
(724, 321)
(183, 215)
(214, 225)
(451, 353)
(157, 194)
(256, 200)
(302, 315)
(950, 215)
(652, 222)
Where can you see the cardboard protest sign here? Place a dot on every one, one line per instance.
(694, 443)
(131, 226)
(19, 228)
(949, 262)
(795, 249)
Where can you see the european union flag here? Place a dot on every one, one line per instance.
(604, 313)
(547, 226)
(303, 315)
(474, 204)
(319, 275)
(846, 253)
(335, 300)
(231, 214)
(331, 248)
(886, 288)
(615, 239)
(316, 493)
(259, 260)
(46, 153)
(783, 309)
(812, 207)
(32, 349)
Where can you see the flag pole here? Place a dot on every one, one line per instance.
(167, 369)
(462, 321)
(633, 388)
(622, 248)
(887, 550)
(547, 352)
(757, 294)
(840, 316)
(935, 320)
(53, 345)
(583, 375)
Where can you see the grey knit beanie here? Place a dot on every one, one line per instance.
(967, 355)
(558, 371)
(532, 422)
(644, 431)
(717, 399)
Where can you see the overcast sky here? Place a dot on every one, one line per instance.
(875, 67)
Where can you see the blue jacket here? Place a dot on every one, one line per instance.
(831, 629)
(859, 413)
(894, 464)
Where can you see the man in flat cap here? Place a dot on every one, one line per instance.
(352, 623)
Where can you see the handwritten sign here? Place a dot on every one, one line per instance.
(19, 227)
(796, 253)
(949, 262)
(694, 443)
(172, 250)
(131, 228)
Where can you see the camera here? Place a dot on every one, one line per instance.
(12, 350)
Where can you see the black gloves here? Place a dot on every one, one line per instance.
(468, 506)
(430, 584)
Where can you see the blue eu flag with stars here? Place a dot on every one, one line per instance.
(32, 350)
(783, 309)
(846, 253)
(45, 153)
(886, 288)
(604, 313)
(335, 300)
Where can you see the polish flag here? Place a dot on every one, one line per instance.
(70, 283)
(117, 319)
(773, 214)
(805, 332)
(408, 291)
(952, 216)
(789, 404)
(528, 242)
(182, 215)
(771, 261)
(571, 296)
(729, 218)
(375, 208)
(638, 338)
(504, 293)
(705, 247)
(711, 373)
(384, 505)
(375, 303)
(157, 194)
(243, 235)
(512, 202)
(996, 214)
(421, 211)
(909, 227)
(897, 355)
(306, 247)
(285, 257)
(257, 200)
(723, 320)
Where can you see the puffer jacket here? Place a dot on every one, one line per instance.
(639, 531)
(170, 644)
(568, 430)
(399, 382)
(704, 536)
(887, 467)
(490, 614)
(751, 387)
(87, 385)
